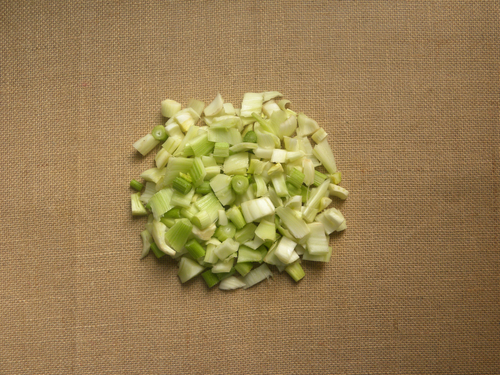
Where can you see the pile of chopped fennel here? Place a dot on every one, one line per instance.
(235, 190)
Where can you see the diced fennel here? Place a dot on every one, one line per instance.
(178, 235)
(189, 212)
(137, 208)
(338, 191)
(297, 227)
(215, 107)
(236, 217)
(222, 217)
(160, 203)
(148, 192)
(156, 251)
(318, 258)
(161, 158)
(245, 146)
(245, 234)
(266, 230)
(239, 184)
(210, 278)
(221, 150)
(170, 107)
(186, 118)
(270, 194)
(224, 232)
(254, 244)
(246, 254)
(257, 209)
(285, 251)
(172, 144)
(223, 265)
(307, 126)
(147, 239)
(243, 268)
(204, 234)
(136, 185)
(269, 107)
(226, 248)
(221, 186)
(236, 164)
(197, 105)
(257, 275)
(191, 134)
(325, 155)
(222, 135)
(210, 256)
(175, 166)
(341, 227)
(152, 175)
(295, 271)
(229, 109)
(201, 220)
(261, 187)
(195, 249)
(319, 135)
(159, 231)
(319, 178)
(146, 144)
(188, 269)
(317, 242)
(197, 172)
(211, 204)
(252, 103)
(232, 282)
(314, 199)
(288, 127)
(200, 145)
(336, 178)
(324, 203)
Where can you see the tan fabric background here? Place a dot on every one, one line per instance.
(409, 93)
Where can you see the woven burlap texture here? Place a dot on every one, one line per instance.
(409, 95)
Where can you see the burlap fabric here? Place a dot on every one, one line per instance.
(409, 95)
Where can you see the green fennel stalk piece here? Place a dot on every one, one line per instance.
(237, 189)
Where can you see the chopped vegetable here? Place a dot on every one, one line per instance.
(239, 184)
(136, 185)
(226, 248)
(338, 191)
(235, 216)
(159, 133)
(257, 275)
(257, 209)
(147, 239)
(245, 234)
(204, 188)
(156, 251)
(146, 144)
(237, 190)
(188, 269)
(232, 282)
(215, 107)
(295, 271)
(243, 268)
(266, 230)
(181, 185)
(224, 232)
(250, 137)
(170, 107)
(210, 278)
(178, 235)
(137, 208)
